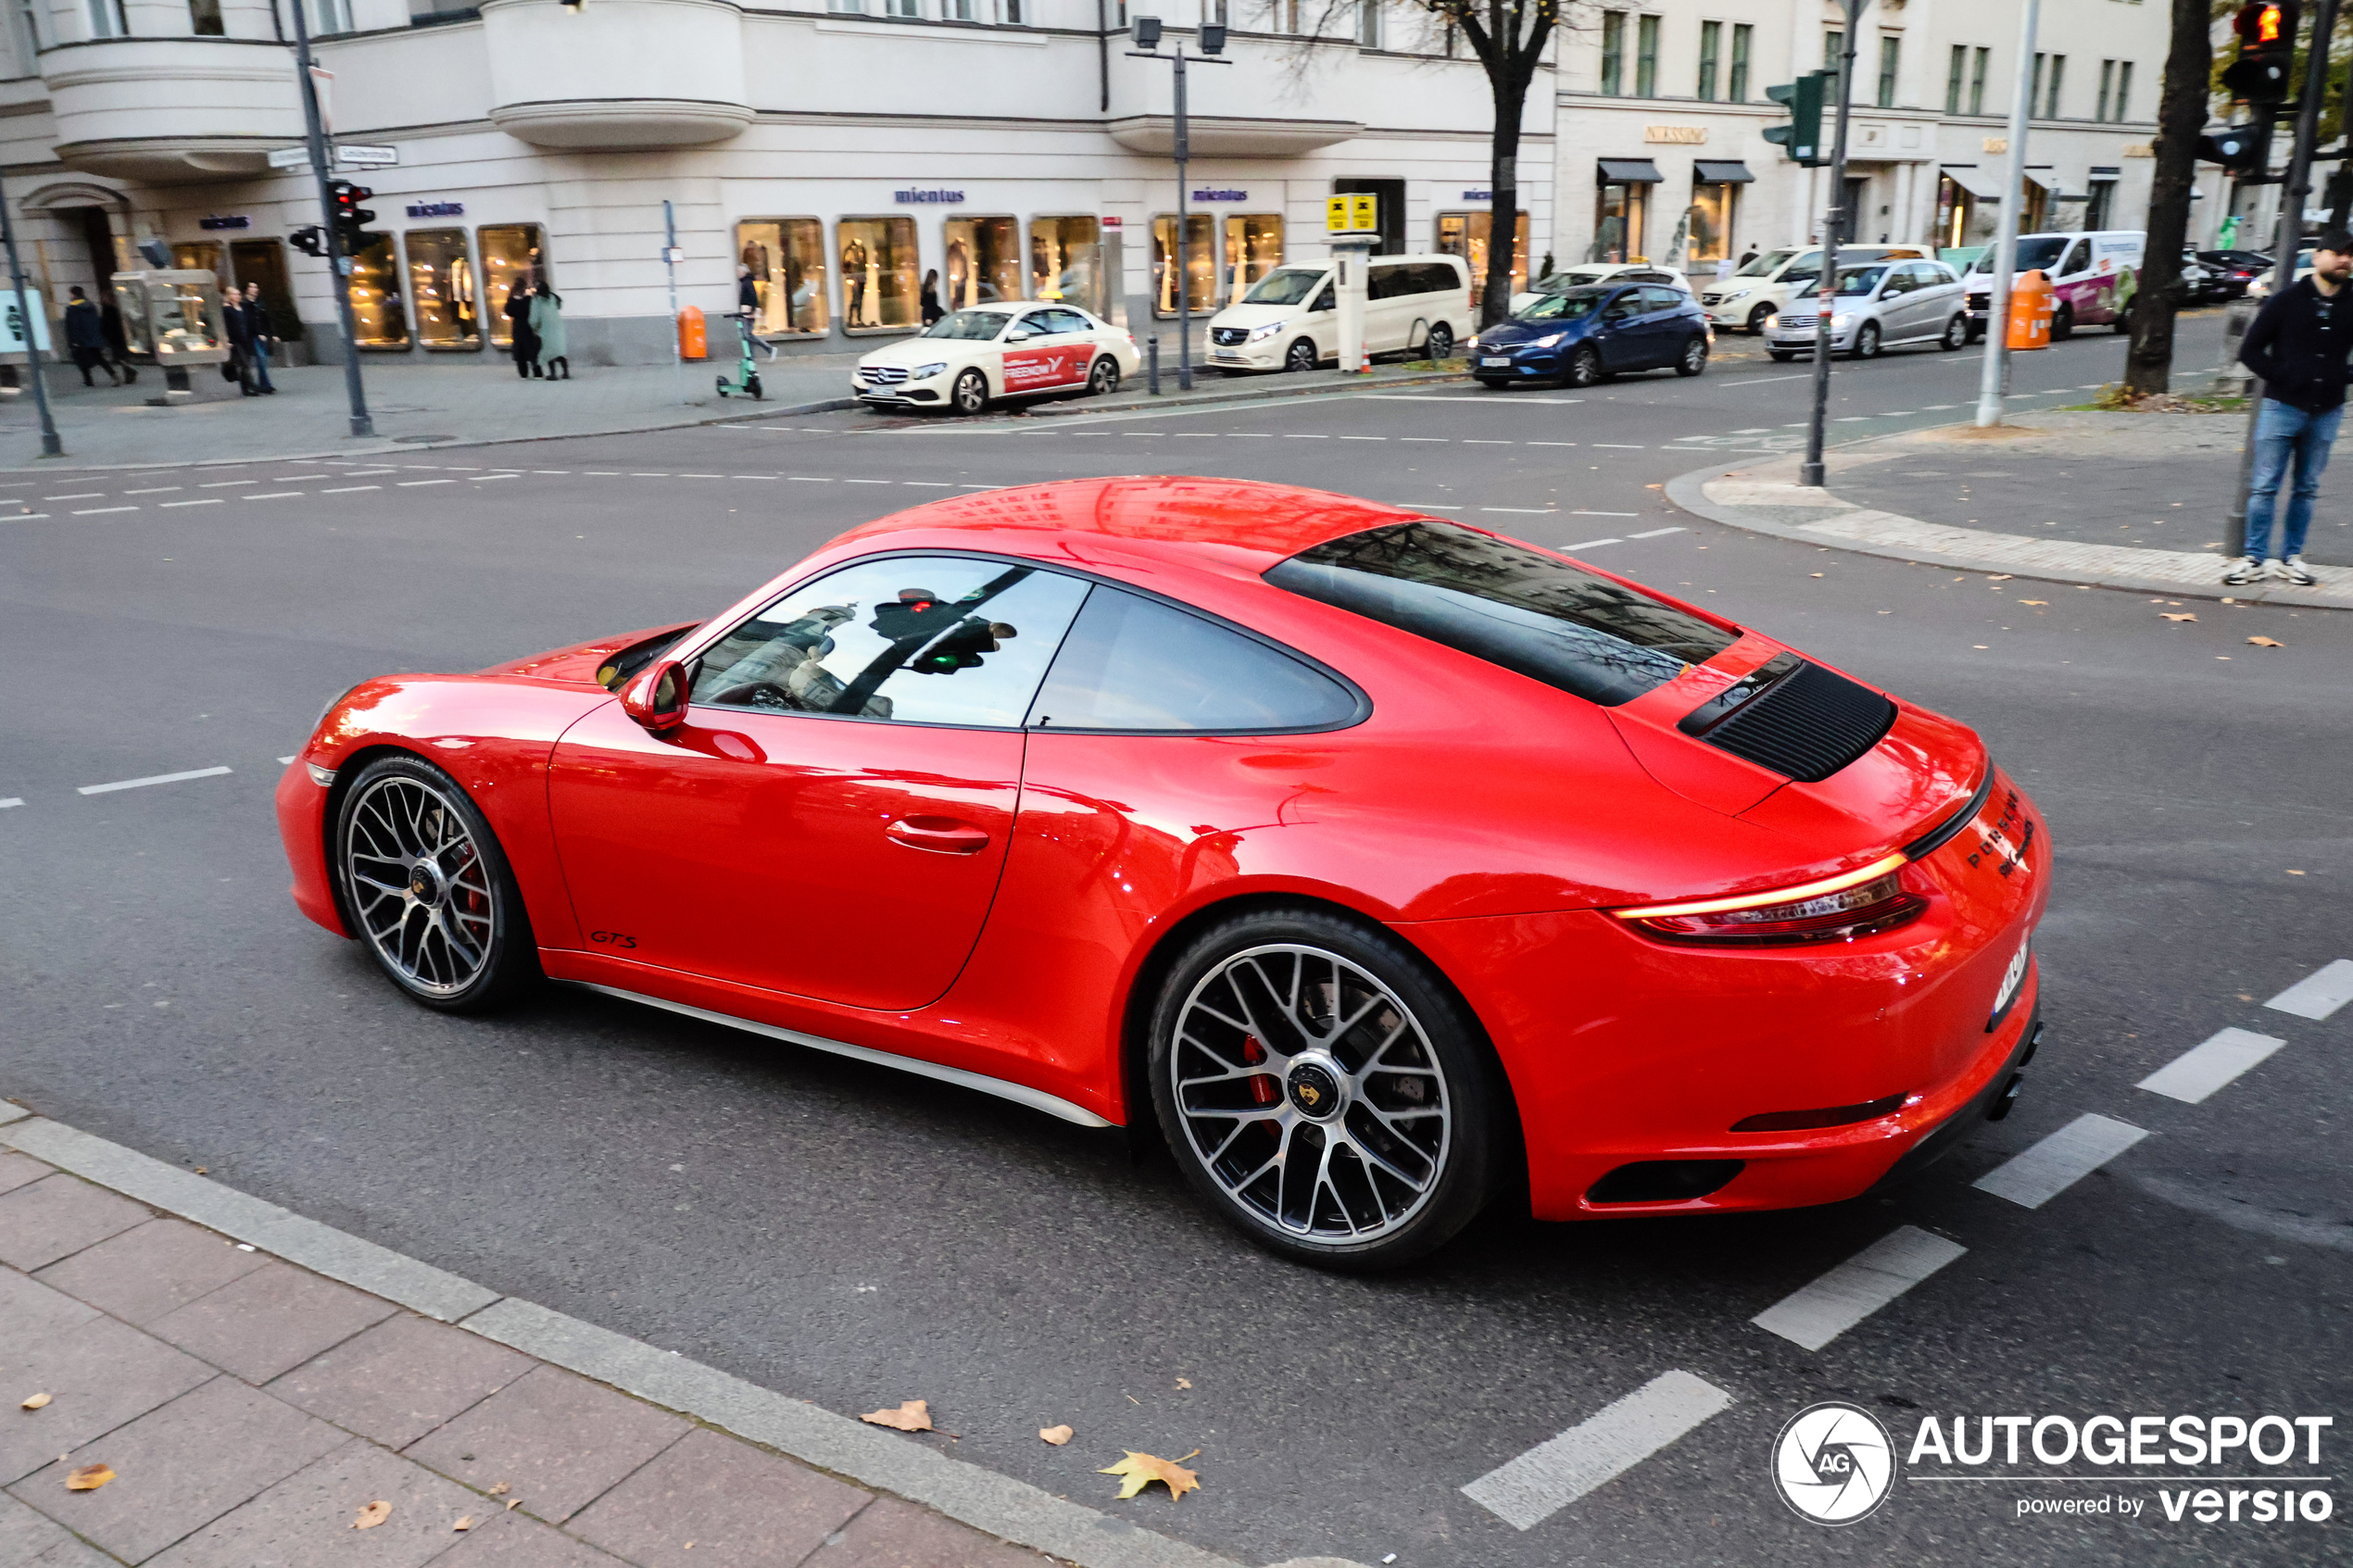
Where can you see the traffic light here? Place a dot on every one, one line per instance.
(350, 219)
(2266, 31)
(1802, 137)
(310, 240)
(2238, 148)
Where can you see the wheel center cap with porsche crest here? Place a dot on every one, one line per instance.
(1314, 1089)
(425, 882)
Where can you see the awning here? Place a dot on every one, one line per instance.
(1733, 173)
(1630, 172)
(1973, 180)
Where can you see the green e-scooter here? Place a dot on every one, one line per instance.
(747, 382)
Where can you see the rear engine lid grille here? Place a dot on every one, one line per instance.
(1806, 725)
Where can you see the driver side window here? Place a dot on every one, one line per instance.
(915, 639)
(1625, 307)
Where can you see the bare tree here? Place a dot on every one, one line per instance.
(1509, 39)
(2181, 119)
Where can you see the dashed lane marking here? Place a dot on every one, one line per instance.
(1819, 1312)
(1526, 1491)
(155, 490)
(155, 779)
(1621, 447)
(296, 478)
(209, 501)
(271, 495)
(2033, 1178)
(225, 484)
(867, 482)
(77, 495)
(486, 478)
(1385, 438)
(1656, 532)
(412, 483)
(2318, 995)
(94, 512)
(1525, 511)
(284, 761)
(349, 489)
(808, 478)
(1593, 544)
(1291, 437)
(2207, 1066)
(12, 800)
(1552, 444)
(1580, 511)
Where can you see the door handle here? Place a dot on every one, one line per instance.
(943, 835)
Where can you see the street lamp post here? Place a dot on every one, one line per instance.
(1212, 45)
(338, 262)
(1836, 218)
(1994, 374)
(51, 445)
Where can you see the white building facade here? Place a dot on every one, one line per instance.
(854, 153)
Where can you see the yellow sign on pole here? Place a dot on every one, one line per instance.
(1352, 215)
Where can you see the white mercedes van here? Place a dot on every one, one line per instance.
(1290, 319)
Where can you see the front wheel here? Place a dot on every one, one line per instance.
(1323, 1089)
(1584, 369)
(1103, 380)
(1956, 333)
(1867, 341)
(1695, 359)
(1300, 356)
(722, 384)
(969, 395)
(1757, 320)
(1782, 355)
(425, 886)
(1439, 343)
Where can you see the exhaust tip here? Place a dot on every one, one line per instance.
(2006, 1099)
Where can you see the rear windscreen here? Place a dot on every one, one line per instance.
(1530, 612)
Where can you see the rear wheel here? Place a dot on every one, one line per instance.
(1324, 1090)
(1103, 380)
(1955, 331)
(969, 395)
(1300, 356)
(2062, 322)
(1439, 342)
(425, 886)
(1695, 357)
(751, 385)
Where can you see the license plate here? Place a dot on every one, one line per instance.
(1492, 359)
(1224, 354)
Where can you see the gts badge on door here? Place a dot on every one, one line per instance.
(613, 939)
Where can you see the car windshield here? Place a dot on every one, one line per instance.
(1805, 277)
(1763, 266)
(1285, 285)
(976, 326)
(1859, 280)
(1518, 608)
(1574, 306)
(2037, 255)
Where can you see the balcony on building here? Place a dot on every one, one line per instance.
(616, 74)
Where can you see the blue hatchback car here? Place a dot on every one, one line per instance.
(1587, 334)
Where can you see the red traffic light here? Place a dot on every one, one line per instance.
(2267, 24)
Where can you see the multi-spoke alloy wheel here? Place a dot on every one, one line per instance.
(1322, 1091)
(425, 887)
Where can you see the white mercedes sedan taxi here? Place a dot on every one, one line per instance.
(970, 357)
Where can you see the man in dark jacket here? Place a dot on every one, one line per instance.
(86, 339)
(2298, 345)
(234, 323)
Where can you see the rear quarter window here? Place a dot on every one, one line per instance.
(1132, 663)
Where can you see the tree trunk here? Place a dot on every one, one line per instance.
(1502, 223)
(2180, 118)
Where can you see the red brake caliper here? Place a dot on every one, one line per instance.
(1262, 1087)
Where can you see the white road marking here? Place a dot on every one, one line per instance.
(486, 478)
(682, 476)
(1760, 381)
(1937, 407)
(94, 512)
(1286, 438)
(270, 496)
(294, 477)
(2033, 1178)
(412, 483)
(1754, 430)
(1621, 447)
(1385, 438)
(156, 490)
(209, 501)
(1582, 512)
(1422, 438)
(1654, 532)
(428, 468)
(1552, 444)
(866, 481)
(1474, 440)
(1526, 1491)
(649, 476)
(225, 484)
(1895, 413)
(1851, 419)
(2318, 995)
(807, 479)
(730, 476)
(1818, 1313)
(1528, 512)
(284, 761)
(914, 483)
(12, 800)
(568, 471)
(337, 490)
(1245, 435)
(1590, 543)
(36, 517)
(79, 495)
(453, 468)
(156, 779)
(604, 473)
(2206, 1067)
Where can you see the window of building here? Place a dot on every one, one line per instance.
(1711, 36)
(441, 285)
(1833, 60)
(195, 256)
(1613, 52)
(786, 257)
(2101, 208)
(1736, 89)
(907, 10)
(1368, 23)
(2116, 89)
(1890, 56)
(1618, 214)
(107, 21)
(877, 274)
(1977, 67)
(984, 262)
(2043, 92)
(1646, 57)
(2123, 89)
(1200, 263)
(1956, 78)
(2058, 75)
(1010, 13)
(1714, 205)
(330, 15)
(847, 8)
(377, 308)
(958, 11)
(1134, 663)
(204, 19)
(512, 254)
(29, 12)
(1067, 262)
(1466, 235)
(1254, 248)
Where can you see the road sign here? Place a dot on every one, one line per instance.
(366, 158)
(1352, 215)
(289, 158)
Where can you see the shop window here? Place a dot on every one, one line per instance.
(984, 261)
(2101, 208)
(787, 257)
(1466, 234)
(1201, 265)
(442, 287)
(376, 305)
(1065, 262)
(1619, 213)
(201, 255)
(1254, 248)
(264, 262)
(1713, 203)
(512, 254)
(877, 274)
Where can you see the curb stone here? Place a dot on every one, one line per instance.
(998, 1505)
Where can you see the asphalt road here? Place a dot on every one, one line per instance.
(857, 1236)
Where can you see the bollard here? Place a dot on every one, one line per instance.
(1152, 364)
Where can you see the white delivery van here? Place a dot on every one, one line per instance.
(2094, 275)
(1290, 319)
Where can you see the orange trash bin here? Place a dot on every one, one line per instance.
(694, 344)
(2032, 301)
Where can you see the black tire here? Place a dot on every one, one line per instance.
(1695, 357)
(1956, 332)
(1443, 1072)
(969, 395)
(1757, 315)
(1439, 341)
(1782, 355)
(458, 903)
(1302, 355)
(1585, 368)
(751, 385)
(1976, 331)
(2122, 323)
(1103, 379)
(722, 384)
(1865, 341)
(2062, 323)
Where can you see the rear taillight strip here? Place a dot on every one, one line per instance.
(1799, 894)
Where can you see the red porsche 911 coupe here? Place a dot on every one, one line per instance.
(1380, 861)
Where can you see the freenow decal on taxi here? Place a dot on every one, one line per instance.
(1029, 368)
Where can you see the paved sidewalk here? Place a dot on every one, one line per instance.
(2115, 500)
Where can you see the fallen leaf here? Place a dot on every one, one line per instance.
(2267, 642)
(88, 1478)
(1142, 1470)
(2293, 871)
(36, 1401)
(372, 1515)
(514, 1502)
(912, 1416)
(2034, 601)
(2186, 615)
(1184, 1383)
(2001, 577)
(1813, 574)
(502, 1489)
(465, 1523)
(1058, 1436)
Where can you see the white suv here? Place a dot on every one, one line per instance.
(1290, 319)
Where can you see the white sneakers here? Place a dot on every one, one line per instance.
(2244, 570)
(2247, 568)
(2295, 570)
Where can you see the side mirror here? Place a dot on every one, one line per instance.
(1017, 336)
(657, 699)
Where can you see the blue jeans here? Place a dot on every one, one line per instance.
(262, 373)
(2283, 432)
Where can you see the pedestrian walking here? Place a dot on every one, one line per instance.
(932, 311)
(262, 335)
(240, 334)
(86, 338)
(1748, 256)
(746, 290)
(2298, 345)
(547, 326)
(526, 342)
(118, 341)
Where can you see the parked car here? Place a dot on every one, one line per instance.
(1878, 305)
(2261, 288)
(1589, 272)
(1760, 289)
(968, 358)
(1589, 335)
(1290, 319)
(2238, 269)
(2093, 276)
